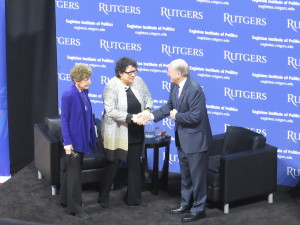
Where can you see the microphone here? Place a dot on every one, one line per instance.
(74, 154)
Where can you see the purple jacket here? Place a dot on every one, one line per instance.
(77, 128)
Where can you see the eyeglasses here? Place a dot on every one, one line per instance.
(131, 72)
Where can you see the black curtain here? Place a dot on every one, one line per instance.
(31, 73)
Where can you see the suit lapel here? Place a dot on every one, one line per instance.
(173, 94)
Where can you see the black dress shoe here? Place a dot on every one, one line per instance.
(140, 203)
(180, 210)
(82, 214)
(104, 205)
(135, 204)
(193, 216)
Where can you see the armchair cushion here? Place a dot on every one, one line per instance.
(53, 125)
(94, 160)
(238, 139)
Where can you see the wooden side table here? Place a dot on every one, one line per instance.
(157, 143)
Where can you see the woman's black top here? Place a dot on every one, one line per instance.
(135, 132)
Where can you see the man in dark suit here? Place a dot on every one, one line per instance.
(193, 137)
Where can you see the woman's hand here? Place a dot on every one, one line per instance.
(142, 118)
(68, 149)
(137, 118)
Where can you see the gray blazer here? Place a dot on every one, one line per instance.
(114, 129)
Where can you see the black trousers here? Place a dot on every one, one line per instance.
(70, 180)
(134, 184)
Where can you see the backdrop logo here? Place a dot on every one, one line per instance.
(225, 126)
(181, 13)
(166, 85)
(169, 123)
(244, 57)
(293, 24)
(259, 130)
(290, 171)
(233, 94)
(67, 5)
(172, 158)
(126, 9)
(104, 79)
(175, 50)
(115, 45)
(249, 20)
(294, 136)
(294, 99)
(294, 62)
(68, 41)
(64, 76)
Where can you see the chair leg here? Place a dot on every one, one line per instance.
(53, 189)
(226, 208)
(40, 176)
(270, 198)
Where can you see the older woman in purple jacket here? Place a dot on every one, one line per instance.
(79, 136)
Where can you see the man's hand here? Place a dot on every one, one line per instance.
(146, 116)
(137, 118)
(173, 114)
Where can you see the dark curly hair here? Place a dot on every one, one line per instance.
(122, 63)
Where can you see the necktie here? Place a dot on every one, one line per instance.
(176, 101)
(176, 95)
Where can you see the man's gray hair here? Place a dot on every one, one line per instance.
(181, 66)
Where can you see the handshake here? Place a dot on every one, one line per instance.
(142, 118)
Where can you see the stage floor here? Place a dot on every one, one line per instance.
(25, 198)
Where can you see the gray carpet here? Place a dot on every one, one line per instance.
(27, 200)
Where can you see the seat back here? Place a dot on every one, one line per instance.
(54, 126)
(238, 139)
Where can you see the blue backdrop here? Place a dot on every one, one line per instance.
(4, 146)
(245, 54)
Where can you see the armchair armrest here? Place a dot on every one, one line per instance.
(249, 173)
(47, 153)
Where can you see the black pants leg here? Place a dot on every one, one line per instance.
(134, 188)
(71, 185)
(63, 180)
(107, 180)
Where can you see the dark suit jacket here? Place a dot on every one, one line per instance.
(192, 121)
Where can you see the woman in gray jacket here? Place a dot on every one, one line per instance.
(125, 96)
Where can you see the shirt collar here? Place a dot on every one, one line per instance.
(181, 84)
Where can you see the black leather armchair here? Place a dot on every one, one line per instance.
(49, 154)
(241, 165)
